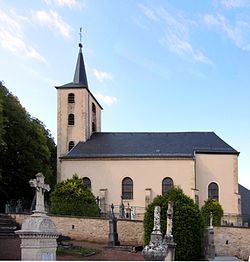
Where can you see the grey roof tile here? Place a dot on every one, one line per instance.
(136, 144)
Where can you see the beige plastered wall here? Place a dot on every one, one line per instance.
(145, 173)
(82, 110)
(223, 170)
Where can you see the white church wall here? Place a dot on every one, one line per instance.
(146, 174)
(223, 170)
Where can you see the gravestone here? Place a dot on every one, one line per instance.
(168, 240)
(38, 233)
(113, 236)
(156, 250)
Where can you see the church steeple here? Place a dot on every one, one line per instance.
(80, 76)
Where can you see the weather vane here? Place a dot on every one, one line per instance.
(80, 44)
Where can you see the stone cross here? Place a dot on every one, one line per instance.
(170, 213)
(40, 187)
(211, 220)
(157, 218)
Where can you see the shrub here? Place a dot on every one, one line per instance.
(71, 197)
(187, 223)
(214, 207)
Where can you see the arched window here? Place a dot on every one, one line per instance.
(127, 188)
(93, 108)
(71, 120)
(167, 183)
(87, 182)
(213, 191)
(71, 98)
(71, 145)
(93, 127)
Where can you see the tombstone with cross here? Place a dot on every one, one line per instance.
(38, 233)
(40, 186)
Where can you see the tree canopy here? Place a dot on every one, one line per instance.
(26, 148)
(71, 197)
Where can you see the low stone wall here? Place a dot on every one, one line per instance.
(232, 241)
(130, 232)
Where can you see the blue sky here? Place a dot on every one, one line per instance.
(153, 65)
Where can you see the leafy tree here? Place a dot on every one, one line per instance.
(26, 148)
(212, 206)
(71, 197)
(187, 223)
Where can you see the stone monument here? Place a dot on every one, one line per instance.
(168, 240)
(156, 250)
(113, 236)
(38, 233)
(209, 239)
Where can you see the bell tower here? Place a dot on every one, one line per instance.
(78, 112)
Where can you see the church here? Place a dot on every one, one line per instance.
(135, 167)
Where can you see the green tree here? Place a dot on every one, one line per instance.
(71, 197)
(26, 148)
(188, 225)
(212, 206)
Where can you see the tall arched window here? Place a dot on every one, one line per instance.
(71, 119)
(213, 191)
(86, 182)
(71, 98)
(93, 108)
(127, 188)
(167, 183)
(71, 145)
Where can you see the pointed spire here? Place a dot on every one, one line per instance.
(80, 76)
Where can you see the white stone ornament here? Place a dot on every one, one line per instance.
(38, 234)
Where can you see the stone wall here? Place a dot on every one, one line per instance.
(130, 232)
(232, 241)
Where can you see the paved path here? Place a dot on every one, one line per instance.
(225, 258)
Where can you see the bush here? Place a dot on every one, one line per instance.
(188, 225)
(214, 207)
(71, 197)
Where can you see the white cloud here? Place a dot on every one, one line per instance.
(109, 100)
(176, 30)
(68, 3)
(53, 21)
(148, 12)
(239, 33)
(11, 36)
(233, 3)
(101, 75)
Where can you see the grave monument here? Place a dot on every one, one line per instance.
(38, 233)
(156, 250)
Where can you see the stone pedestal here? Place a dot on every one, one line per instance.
(210, 247)
(38, 238)
(38, 233)
(170, 256)
(113, 236)
(156, 250)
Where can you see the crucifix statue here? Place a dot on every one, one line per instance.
(211, 220)
(40, 187)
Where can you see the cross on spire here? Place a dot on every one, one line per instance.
(40, 187)
(80, 34)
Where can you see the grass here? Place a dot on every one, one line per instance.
(76, 251)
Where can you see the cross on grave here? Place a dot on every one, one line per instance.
(211, 220)
(40, 187)
(170, 213)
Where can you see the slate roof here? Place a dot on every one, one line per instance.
(174, 144)
(80, 77)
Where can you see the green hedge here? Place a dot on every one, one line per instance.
(188, 224)
(71, 197)
(214, 207)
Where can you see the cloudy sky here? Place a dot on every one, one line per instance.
(154, 65)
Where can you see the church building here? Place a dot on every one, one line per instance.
(138, 166)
